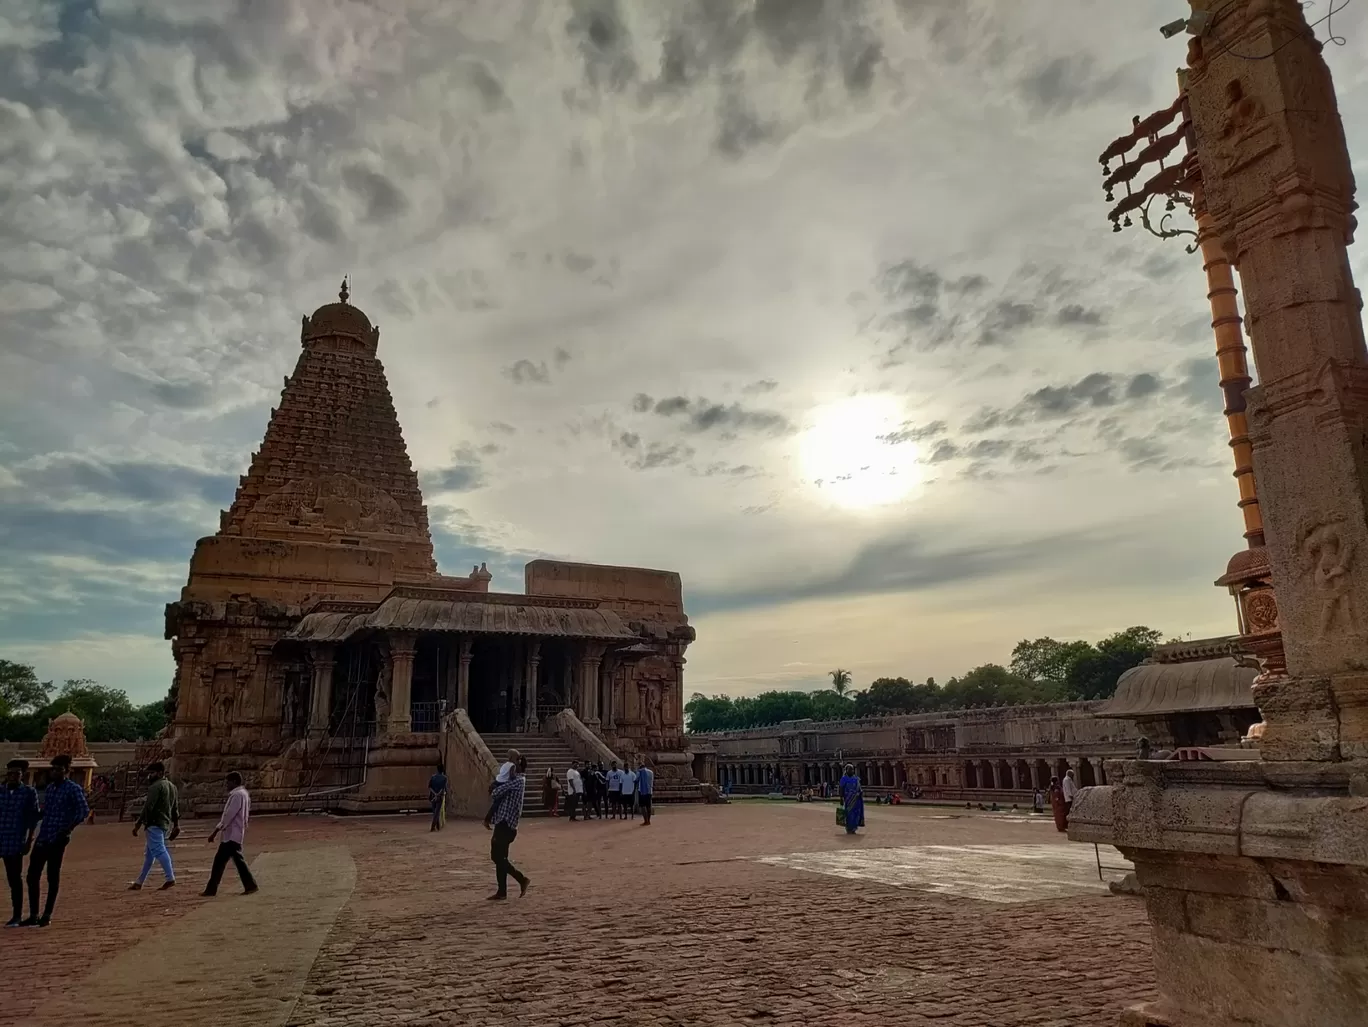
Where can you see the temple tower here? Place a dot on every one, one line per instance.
(333, 467)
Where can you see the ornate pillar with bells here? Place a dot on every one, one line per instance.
(401, 649)
(1255, 872)
(320, 691)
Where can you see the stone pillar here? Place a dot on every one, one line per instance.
(320, 691)
(401, 647)
(1255, 872)
(589, 680)
(463, 657)
(533, 675)
(568, 685)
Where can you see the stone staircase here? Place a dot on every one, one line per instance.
(542, 751)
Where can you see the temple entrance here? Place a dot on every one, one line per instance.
(495, 702)
(555, 678)
(431, 660)
(353, 694)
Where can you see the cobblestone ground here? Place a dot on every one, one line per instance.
(745, 914)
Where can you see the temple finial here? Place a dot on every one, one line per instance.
(344, 292)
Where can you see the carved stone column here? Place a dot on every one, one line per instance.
(320, 690)
(1255, 872)
(589, 676)
(463, 658)
(533, 676)
(401, 649)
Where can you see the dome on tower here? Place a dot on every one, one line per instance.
(339, 319)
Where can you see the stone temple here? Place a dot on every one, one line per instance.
(319, 651)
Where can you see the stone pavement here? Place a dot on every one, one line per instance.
(752, 913)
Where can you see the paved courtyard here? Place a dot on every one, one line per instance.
(753, 913)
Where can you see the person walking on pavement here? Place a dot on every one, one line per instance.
(437, 793)
(645, 786)
(160, 819)
(505, 810)
(64, 809)
(18, 822)
(237, 809)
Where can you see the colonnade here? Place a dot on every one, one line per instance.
(1024, 775)
(1014, 774)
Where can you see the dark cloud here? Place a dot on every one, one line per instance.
(1094, 391)
(1062, 83)
(910, 563)
(1142, 385)
(914, 433)
(645, 456)
(525, 372)
(762, 386)
(465, 473)
(740, 129)
(702, 415)
(383, 199)
(1077, 314)
(66, 478)
(605, 46)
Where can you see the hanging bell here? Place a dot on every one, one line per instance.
(1127, 222)
(1109, 196)
(1169, 205)
(1115, 227)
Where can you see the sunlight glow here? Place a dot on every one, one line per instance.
(851, 455)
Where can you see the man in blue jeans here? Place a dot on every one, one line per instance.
(160, 816)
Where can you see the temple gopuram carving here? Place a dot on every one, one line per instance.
(320, 652)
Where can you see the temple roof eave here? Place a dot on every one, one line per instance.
(464, 618)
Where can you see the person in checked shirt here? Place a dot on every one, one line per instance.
(18, 821)
(505, 810)
(64, 807)
(233, 826)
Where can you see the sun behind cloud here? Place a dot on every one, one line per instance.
(848, 454)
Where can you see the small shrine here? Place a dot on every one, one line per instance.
(65, 737)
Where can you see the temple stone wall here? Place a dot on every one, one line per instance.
(290, 572)
(634, 592)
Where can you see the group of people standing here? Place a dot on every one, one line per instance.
(618, 793)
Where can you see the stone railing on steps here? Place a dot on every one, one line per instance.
(470, 766)
(586, 745)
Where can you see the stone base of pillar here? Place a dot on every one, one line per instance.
(1255, 875)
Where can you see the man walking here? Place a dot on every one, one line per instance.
(64, 808)
(574, 790)
(160, 818)
(18, 821)
(505, 810)
(437, 793)
(645, 786)
(237, 808)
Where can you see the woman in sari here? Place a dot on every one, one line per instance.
(1057, 805)
(852, 798)
(551, 792)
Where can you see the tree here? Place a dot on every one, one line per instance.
(20, 689)
(1047, 659)
(840, 681)
(1094, 675)
(106, 713)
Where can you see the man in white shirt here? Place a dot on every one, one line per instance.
(1070, 790)
(628, 792)
(574, 791)
(233, 825)
(614, 791)
(505, 769)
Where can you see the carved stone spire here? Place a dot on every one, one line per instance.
(333, 466)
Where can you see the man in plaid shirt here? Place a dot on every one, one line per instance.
(505, 810)
(18, 820)
(64, 807)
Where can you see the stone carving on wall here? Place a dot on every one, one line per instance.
(1326, 555)
(382, 694)
(65, 737)
(653, 708)
(1247, 132)
(1261, 611)
(336, 501)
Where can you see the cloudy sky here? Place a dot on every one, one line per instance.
(811, 300)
